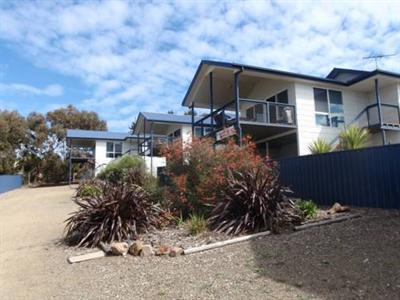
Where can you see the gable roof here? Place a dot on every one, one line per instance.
(345, 75)
(97, 135)
(331, 78)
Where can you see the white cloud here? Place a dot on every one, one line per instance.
(139, 56)
(52, 90)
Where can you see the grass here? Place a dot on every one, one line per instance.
(180, 221)
(196, 224)
(308, 209)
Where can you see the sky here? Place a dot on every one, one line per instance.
(119, 57)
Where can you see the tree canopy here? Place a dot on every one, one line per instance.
(34, 144)
(71, 118)
(13, 131)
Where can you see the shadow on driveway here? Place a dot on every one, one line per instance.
(355, 259)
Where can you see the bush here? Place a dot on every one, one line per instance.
(353, 137)
(320, 146)
(307, 208)
(197, 174)
(117, 169)
(196, 224)
(254, 201)
(88, 188)
(120, 211)
(53, 168)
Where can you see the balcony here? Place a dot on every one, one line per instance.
(257, 118)
(82, 152)
(390, 117)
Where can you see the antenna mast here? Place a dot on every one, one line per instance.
(377, 57)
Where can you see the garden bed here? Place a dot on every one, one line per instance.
(181, 237)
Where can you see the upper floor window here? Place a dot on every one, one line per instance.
(198, 133)
(114, 149)
(328, 108)
(281, 97)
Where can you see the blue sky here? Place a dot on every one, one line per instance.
(119, 57)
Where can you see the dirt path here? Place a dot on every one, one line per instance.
(357, 259)
(31, 223)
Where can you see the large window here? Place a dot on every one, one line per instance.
(114, 149)
(328, 108)
(281, 97)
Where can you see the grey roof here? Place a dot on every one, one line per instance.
(97, 135)
(169, 118)
(346, 75)
(331, 78)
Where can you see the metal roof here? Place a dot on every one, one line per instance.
(361, 76)
(337, 71)
(169, 118)
(98, 135)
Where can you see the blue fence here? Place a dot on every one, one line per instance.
(368, 177)
(10, 182)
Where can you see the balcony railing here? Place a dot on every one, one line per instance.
(390, 115)
(250, 112)
(82, 152)
(267, 113)
(158, 142)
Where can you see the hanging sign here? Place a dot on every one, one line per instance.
(225, 133)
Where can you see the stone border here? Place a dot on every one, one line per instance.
(103, 253)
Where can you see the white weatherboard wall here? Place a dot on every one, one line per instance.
(308, 130)
(186, 132)
(266, 88)
(158, 162)
(100, 152)
(100, 155)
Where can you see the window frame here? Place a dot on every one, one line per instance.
(113, 153)
(275, 96)
(329, 113)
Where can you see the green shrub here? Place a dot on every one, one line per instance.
(308, 209)
(117, 169)
(320, 146)
(196, 224)
(353, 137)
(88, 189)
(179, 221)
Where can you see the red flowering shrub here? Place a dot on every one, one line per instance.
(198, 173)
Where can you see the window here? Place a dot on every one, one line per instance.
(114, 149)
(328, 108)
(197, 131)
(177, 133)
(281, 97)
(275, 111)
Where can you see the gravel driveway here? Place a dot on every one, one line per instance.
(357, 259)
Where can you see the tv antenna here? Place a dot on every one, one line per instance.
(377, 57)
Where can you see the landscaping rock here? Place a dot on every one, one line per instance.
(118, 248)
(163, 250)
(176, 251)
(147, 250)
(337, 208)
(136, 247)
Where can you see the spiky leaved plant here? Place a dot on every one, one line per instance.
(320, 146)
(120, 211)
(253, 201)
(353, 137)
